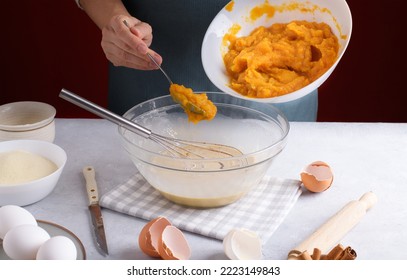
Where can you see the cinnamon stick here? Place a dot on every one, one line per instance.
(348, 254)
(323, 258)
(316, 254)
(335, 253)
(305, 256)
(294, 254)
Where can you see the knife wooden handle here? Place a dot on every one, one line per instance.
(91, 186)
(337, 226)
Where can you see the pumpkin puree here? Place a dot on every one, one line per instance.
(276, 60)
(185, 97)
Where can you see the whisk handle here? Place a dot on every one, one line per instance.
(104, 113)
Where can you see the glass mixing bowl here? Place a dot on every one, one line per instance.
(258, 130)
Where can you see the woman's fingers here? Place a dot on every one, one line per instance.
(128, 46)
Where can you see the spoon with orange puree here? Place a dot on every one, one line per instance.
(197, 106)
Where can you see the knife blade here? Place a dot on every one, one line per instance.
(94, 209)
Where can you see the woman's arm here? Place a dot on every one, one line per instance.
(101, 11)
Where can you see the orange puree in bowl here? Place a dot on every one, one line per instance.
(186, 97)
(229, 6)
(276, 60)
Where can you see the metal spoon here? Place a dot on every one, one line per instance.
(189, 105)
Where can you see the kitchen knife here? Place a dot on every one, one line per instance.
(94, 209)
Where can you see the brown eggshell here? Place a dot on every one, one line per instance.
(173, 245)
(317, 176)
(150, 235)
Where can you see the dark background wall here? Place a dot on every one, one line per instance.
(48, 45)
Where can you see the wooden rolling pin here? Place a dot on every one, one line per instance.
(330, 233)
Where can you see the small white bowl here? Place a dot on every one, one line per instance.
(27, 120)
(335, 13)
(33, 191)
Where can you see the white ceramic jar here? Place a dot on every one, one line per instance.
(27, 120)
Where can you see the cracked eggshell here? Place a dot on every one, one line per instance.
(242, 244)
(173, 245)
(150, 235)
(317, 176)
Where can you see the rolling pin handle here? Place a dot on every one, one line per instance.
(368, 199)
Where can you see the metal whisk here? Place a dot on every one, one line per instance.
(175, 147)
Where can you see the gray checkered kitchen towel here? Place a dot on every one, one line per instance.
(262, 210)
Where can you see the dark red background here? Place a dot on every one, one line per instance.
(48, 45)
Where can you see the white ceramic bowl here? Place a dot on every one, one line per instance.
(27, 120)
(258, 130)
(33, 191)
(335, 13)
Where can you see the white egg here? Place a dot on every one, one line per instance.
(12, 216)
(242, 244)
(57, 248)
(22, 242)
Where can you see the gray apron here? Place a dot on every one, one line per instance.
(178, 30)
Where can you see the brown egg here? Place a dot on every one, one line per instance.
(150, 235)
(173, 245)
(317, 176)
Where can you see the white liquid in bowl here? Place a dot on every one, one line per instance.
(206, 183)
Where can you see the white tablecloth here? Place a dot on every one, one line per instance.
(364, 157)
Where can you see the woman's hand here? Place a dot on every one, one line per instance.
(128, 45)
